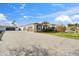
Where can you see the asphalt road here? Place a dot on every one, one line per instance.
(58, 45)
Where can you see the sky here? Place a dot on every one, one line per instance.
(26, 13)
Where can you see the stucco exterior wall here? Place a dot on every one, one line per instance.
(29, 27)
(37, 27)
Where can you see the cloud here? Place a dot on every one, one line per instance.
(68, 12)
(2, 17)
(57, 5)
(69, 19)
(68, 15)
(75, 18)
(22, 6)
(64, 18)
(12, 6)
(27, 16)
(3, 20)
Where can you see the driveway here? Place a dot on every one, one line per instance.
(59, 45)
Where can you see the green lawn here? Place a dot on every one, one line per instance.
(66, 35)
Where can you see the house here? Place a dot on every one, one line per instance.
(9, 27)
(39, 27)
(72, 28)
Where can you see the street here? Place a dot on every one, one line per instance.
(17, 39)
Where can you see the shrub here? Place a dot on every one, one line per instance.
(60, 28)
(50, 29)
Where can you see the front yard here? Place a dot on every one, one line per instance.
(66, 35)
(21, 43)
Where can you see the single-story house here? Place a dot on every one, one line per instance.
(72, 28)
(39, 27)
(8, 27)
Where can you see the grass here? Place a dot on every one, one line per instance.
(66, 35)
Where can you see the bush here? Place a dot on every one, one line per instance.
(50, 29)
(60, 28)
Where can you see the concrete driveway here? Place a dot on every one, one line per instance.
(16, 39)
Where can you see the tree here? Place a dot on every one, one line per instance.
(60, 28)
(77, 24)
(14, 23)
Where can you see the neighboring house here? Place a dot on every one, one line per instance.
(39, 27)
(21, 28)
(9, 27)
(72, 28)
(77, 30)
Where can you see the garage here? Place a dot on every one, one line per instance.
(10, 28)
